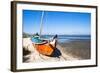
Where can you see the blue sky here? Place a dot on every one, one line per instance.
(57, 22)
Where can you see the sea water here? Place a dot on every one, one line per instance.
(67, 38)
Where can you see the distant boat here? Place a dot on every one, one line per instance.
(44, 46)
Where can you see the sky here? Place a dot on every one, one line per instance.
(68, 23)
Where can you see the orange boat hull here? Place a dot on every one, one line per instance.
(45, 49)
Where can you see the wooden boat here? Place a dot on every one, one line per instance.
(45, 47)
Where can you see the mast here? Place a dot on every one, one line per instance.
(41, 23)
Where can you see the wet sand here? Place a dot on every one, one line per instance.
(77, 48)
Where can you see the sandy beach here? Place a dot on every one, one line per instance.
(74, 50)
(77, 48)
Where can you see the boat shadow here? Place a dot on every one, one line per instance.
(56, 53)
